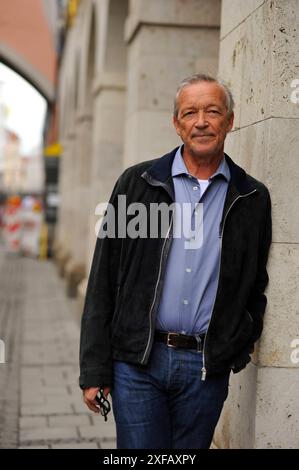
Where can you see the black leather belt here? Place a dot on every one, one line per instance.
(178, 340)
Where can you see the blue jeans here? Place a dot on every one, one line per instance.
(166, 405)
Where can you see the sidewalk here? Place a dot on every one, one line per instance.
(40, 401)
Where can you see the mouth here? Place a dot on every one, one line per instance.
(201, 136)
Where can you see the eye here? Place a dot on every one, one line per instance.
(188, 114)
(213, 111)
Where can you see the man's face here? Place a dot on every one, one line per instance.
(202, 121)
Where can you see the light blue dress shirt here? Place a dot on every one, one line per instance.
(191, 276)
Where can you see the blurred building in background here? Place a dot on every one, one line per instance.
(3, 114)
(31, 38)
(13, 171)
(118, 72)
(20, 174)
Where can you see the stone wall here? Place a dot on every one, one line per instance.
(259, 58)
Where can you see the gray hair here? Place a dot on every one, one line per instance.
(204, 77)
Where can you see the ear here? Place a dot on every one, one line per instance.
(176, 125)
(230, 122)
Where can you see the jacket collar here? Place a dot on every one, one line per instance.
(160, 172)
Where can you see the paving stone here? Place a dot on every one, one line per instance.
(67, 420)
(104, 431)
(47, 433)
(33, 422)
(53, 391)
(47, 409)
(80, 407)
(34, 447)
(33, 399)
(75, 445)
(97, 419)
(108, 444)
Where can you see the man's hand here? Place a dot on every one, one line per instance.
(89, 396)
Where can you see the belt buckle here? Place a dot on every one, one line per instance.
(169, 338)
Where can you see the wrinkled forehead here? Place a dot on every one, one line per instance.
(202, 94)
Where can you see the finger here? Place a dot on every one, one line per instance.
(106, 391)
(90, 394)
(92, 406)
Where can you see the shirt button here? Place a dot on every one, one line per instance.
(195, 188)
(188, 270)
(185, 302)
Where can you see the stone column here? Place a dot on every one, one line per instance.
(82, 146)
(108, 105)
(67, 137)
(259, 58)
(167, 41)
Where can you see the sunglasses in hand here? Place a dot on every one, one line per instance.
(103, 403)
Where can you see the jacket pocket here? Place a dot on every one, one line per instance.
(249, 315)
(242, 358)
(243, 332)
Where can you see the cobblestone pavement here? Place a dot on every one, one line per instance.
(40, 402)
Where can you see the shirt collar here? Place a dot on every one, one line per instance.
(179, 167)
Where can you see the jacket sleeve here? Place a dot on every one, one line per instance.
(95, 342)
(257, 300)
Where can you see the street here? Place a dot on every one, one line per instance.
(41, 404)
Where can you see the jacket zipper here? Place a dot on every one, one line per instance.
(156, 288)
(203, 370)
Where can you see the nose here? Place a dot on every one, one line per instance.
(201, 119)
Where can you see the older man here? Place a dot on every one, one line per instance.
(165, 321)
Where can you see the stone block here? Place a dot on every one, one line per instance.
(281, 322)
(283, 178)
(154, 136)
(232, 146)
(277, 408)
(166, 56)
(109, 108)
(260, 67)
(285, 57)
(231, 65)
(234, 12)
(236, 427)
(172, 12)
(264, 155)
(253, 150)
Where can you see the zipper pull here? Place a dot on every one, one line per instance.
(203, 374)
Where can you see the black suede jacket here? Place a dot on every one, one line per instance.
(126, 278)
